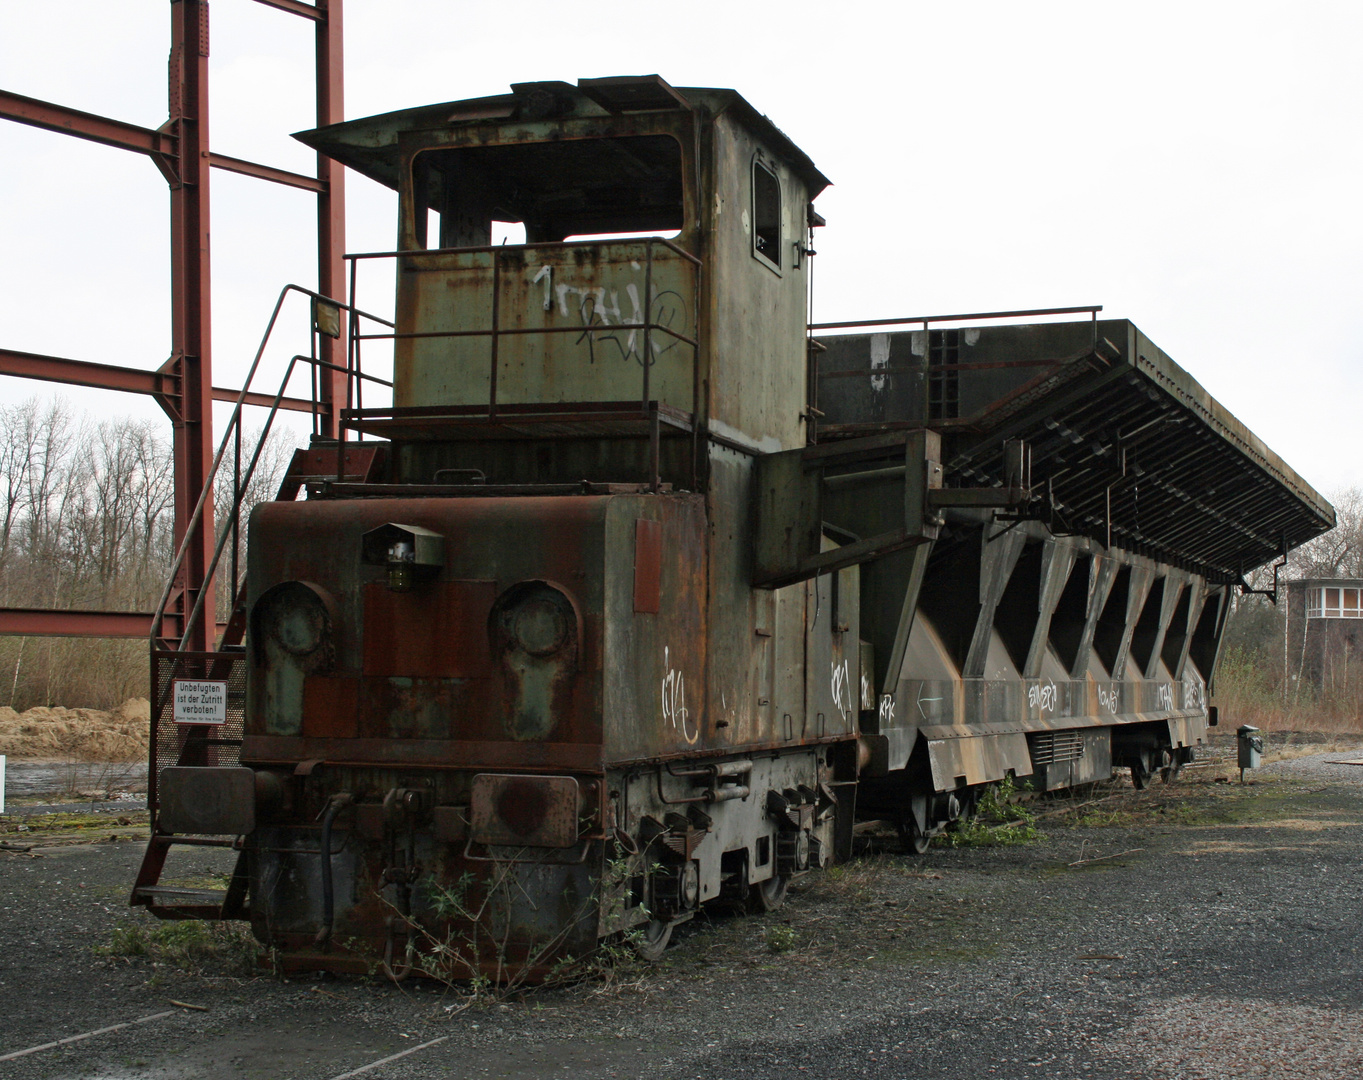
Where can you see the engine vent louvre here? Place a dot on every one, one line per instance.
(1055, 747)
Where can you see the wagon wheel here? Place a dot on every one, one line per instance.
(1171, 769)
(652, 938)
(1141, 774)
(770, 894)
(911, 836)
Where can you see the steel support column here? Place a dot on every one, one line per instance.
(191, 303)
(333, 384)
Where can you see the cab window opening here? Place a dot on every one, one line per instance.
(608, 188)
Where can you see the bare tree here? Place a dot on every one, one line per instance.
(86, 521)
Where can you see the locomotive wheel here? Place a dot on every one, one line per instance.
(770, 894)
(910, 836)
(651, 941)
(1140, 776)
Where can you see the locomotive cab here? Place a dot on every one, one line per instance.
(579, 701)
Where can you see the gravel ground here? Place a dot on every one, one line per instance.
(1208, 931)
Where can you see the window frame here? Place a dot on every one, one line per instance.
(774, 265)
(1347, 602)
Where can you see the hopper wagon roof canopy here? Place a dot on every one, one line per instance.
(1124, 442)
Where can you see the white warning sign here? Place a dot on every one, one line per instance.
(200, 702)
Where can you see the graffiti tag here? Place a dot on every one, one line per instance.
(1193, 694)
(1164, 696)
(675, 711)
(1044, 697)
(599, 308)
(841, 685)
(1108, 698)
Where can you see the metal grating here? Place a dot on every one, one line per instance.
(173, 743)
(1055, 747)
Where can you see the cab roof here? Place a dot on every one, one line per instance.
(370, 145)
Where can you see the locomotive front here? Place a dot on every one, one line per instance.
(514, 693)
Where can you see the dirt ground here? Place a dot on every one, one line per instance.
(85, 735)
(1199, 930)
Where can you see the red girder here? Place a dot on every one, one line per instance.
(25, 365)
(45, 622)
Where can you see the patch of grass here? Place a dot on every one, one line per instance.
(998, 821)
(188, 944)
(780, 939)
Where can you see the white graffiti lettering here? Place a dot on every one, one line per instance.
(842, 689)
(675, 711)
(1044, 697)
(598, 307)
(1165, 696)
(886, 710)
(1194, 694)
(1107, 698)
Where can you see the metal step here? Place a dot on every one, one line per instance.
(175, 894)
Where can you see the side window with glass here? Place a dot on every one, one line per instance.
(766, 215)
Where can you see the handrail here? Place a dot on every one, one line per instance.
(233, 430)
(537, 246)
(1091, 309)
(495, 332)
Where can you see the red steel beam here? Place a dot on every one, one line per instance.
(26, 365)
(266, 172)
(295, 7)
(333, 385)
(266, 401)
(45, 622)
(37, 622)
(84, 125)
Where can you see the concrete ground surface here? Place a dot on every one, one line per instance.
(1200, 930)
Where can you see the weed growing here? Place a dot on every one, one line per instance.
(998, 821)
(191, 945)
(780, 939)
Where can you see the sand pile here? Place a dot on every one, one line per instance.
(78, 734)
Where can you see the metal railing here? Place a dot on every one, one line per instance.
(230, 527)
(495, 331)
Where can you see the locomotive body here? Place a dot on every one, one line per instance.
(645, 595)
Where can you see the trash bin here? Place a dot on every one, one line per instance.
(1249, 746)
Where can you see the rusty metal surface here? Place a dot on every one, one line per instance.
(536, 811)
(214, 799)
(648, 569)
(423, 661)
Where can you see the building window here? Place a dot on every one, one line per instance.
(1333, 603)
(766, 214)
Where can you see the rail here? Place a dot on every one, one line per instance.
(230, 527)
(1025, 313)
(495, 332)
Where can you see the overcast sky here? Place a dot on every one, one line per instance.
(1194, 167)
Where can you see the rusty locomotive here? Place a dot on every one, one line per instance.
(638, 595)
